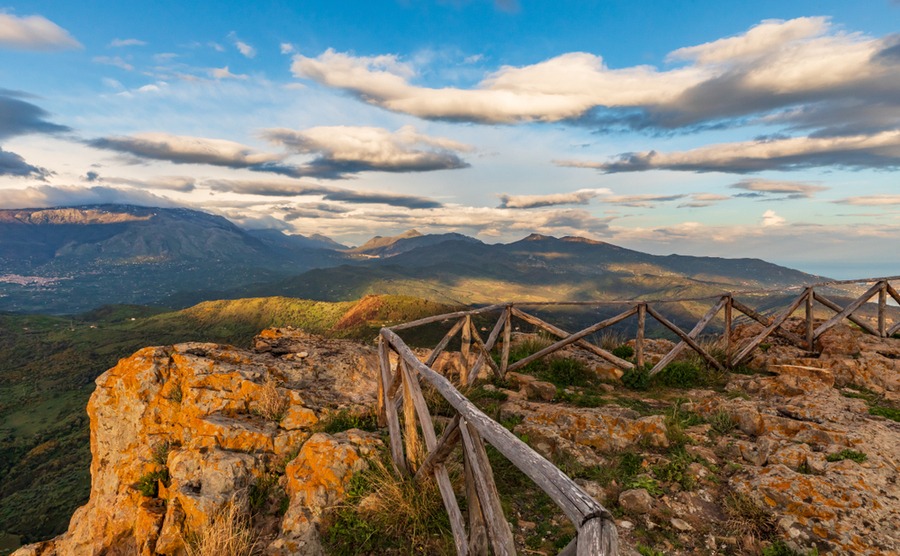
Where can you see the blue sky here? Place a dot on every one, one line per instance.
(763, 129)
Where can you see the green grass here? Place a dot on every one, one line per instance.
(343, 420)
(887, 412)
(852, 455)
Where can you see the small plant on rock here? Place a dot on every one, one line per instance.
(852, 455)
(623, 351)
(721, 422)
(148, 484)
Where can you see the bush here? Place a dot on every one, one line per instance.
(623, 351)
(852, 455)
(636, 379)
(566, 372)
(682, 374)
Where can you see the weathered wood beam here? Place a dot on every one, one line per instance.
(685, 338)
(765, 321)
(778, 321)
(852, 318)
(465, 349)
(500, 534)
(573, 338)
(848, 310)
(693, 334)
(639, 338)
(446, 316)
(570, 497)
(484, 355)
(810, 323)
(489, 345)
(457, 526)
(411, 441)
(597, 537)
(729, 320)
(442, 345)
(390, 410)
(507, 338)
(442, 451)
(882, 302)
(478, 535)
(560, 333)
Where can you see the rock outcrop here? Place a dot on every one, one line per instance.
(180, 433)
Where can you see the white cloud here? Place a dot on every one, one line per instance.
(776, 64)
(770, 219)
(871, 200)
(224, 73)
(34, 33)
(349, 149)
(763, 39)
(879, 150)
(182, 149)
(44, 196)
(115, 61)
(245, 49)
(580, 197)
(287, 48)
(792, 189)
(118, 43)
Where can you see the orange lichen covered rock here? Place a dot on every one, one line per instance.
(178, 432)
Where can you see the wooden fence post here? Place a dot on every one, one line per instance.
(639, 340)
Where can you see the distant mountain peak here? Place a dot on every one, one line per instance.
(537, 237)
(579, 239)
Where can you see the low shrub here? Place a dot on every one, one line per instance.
(623, 351)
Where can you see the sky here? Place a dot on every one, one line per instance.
(733, 129)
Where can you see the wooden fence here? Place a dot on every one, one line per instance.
(402, 406)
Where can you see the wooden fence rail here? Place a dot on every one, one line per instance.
(416, 448)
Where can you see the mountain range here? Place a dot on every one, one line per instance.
(69, 260)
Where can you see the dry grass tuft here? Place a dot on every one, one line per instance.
(273, 404)
(748, 518)
(386, 514)
(228, 533)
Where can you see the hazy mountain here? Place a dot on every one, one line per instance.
(73, 259)
(536, 268)
(76, 258)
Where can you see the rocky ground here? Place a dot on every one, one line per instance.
(798, 454)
